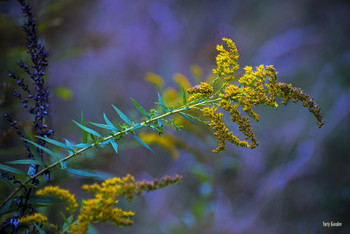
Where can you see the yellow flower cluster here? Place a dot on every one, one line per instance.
(254, 88)
(221, 132)
(102, 207)
(63, 194)
(204, 90)
(33, 218)
(226, 60)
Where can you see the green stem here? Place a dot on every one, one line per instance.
(177, 110)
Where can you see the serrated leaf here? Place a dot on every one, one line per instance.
(161, 103)
(141, 142)
(122, 116)
(84, 134)
(104, 126)
(25, 161)
(41, 231)
(136, 126)
(87, 130)
(141, 109)
(81, 173)
(44, 149)
(54, 142)
(188, 118)
(184, 98)
(109, 123)
(114, 145)
(12, 169)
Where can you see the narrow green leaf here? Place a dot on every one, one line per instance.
(25, 161)
(164, 108)
(66, 221)
(184, 98)
(84, 134)
(6, 207)
(114, 145)
(81, 146)
(81, 173)
(33, 149)
(160, 123)
(141, 109)
(63, 164)
(87, 130)
(12, 169)
(41, 231)
(161, 103)
(122, 116)
(109, 123)
(43, 199)
(7, 182)
(70, 146)
(141, 142)
(102, 144)
(137, 126)
(104, 126)
(188, 118)
(56, 143)
(44, 149)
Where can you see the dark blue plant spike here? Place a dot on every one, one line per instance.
(35, 98)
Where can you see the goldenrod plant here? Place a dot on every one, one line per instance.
(207, 102)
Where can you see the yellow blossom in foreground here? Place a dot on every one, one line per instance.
(63, 194)
(204, 90)
(102, 207)
(34, 218)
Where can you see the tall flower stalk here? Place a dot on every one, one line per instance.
(35, 98)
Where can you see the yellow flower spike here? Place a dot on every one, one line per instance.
(34, 218)
(155, 80)
(63, 194)
(226, 60)
(204, 90)
(182, 80)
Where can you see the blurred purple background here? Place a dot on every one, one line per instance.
(299, 175)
